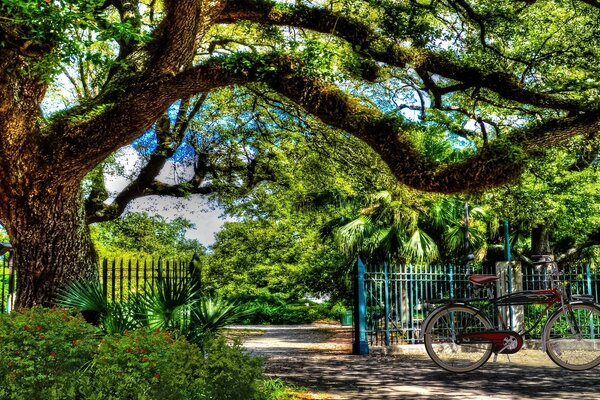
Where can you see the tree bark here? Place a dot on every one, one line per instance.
(41, 208)
(52, 245)
(540, 240)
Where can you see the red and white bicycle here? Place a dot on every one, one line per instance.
(460, 337)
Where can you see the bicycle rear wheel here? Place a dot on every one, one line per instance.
(441, 339)
(573, 338)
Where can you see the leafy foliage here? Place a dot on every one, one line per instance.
(44, 354)
(141, 235)
(173, 306)
(51, 355)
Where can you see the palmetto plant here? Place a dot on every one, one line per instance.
(387, 231)
(212, 314)
(85, 297)
(166, 306)
(175, 306)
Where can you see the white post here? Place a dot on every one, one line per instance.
(510, 281)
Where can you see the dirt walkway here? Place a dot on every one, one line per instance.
(318, 357)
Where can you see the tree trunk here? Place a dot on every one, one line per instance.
(52, 245)
(41, 206)
(540, 240)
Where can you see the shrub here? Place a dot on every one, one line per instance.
(144, 365)
(43, 354)
(276, 309)
(48, 354)
(231, 373)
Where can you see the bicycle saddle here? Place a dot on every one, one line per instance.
(482, 279)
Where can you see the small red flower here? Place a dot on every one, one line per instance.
(53, 354)
(156, 376)
(129, 350)
(74, 342)
(53, 307)
(145, 359)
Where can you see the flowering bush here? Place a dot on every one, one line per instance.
(143, 365)
(48, 354)
(43, 354)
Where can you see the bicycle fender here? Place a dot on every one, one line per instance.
(559, 310)
(437, 311)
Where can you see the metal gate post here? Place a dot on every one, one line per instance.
(360, 345)
(507, 257)
(386, 303)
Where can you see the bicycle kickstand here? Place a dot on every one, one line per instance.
(500, 351)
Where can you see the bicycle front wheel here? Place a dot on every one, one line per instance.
(573, 338)
(442, 332)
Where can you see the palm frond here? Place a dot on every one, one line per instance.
(351, 236)
(166, 306)
(85, 297)
(119, 318)
(212, 314)
(421, 247)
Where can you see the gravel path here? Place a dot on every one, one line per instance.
(319, 357)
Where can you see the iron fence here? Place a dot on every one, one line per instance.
(400, 297)
(119, 277)
(6, 282)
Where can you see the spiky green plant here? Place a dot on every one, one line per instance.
(212, 314)
(119, 318)
(167, 305)
(85, 297)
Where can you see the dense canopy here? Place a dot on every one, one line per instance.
(499, 82)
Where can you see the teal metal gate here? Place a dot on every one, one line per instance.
(398, 298)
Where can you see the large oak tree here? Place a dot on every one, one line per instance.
(525, 74)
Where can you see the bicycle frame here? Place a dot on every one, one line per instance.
(550, 297)
(466, 322)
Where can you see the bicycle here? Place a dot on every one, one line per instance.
(459, 337)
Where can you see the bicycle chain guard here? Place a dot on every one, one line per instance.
(503, 342)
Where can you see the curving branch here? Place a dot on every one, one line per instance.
(494, 164)
(92, 131)
(169, 137)
(382, 49)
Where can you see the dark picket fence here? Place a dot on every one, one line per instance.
(119, 277)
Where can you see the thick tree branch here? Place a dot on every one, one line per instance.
(91, 132)
(497, 163)
(169, 139)
(178, 35)
(390, 52)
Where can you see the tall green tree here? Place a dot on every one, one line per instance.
(553, 209)
(383, 71)
(141, 235)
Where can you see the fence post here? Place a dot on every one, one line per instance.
(386, 303)
(105, 278)
(588, 275)
(451, 278)
(360, 345)
(507, 257)
(511, 280)
(195, 271)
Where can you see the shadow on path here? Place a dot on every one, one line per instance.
(318, 358)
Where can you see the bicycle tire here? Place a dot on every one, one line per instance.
(440, 343)
(572, 340)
